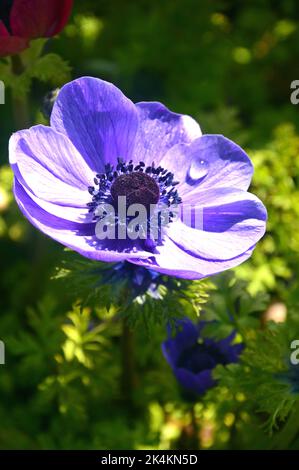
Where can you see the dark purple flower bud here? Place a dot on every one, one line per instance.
(193, 357)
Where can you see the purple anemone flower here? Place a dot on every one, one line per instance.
(193, 358)
(101, 146)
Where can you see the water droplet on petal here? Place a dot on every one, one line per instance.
(198, 170)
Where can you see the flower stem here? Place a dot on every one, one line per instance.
(17, 65)
(189, 439)
(19, 101)
(128, 378)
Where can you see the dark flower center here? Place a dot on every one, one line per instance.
(5, 8)
(201, 357)
(139, 184)
(137, 187)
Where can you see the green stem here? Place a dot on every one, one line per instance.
(284, 439)
(189, 439)
(19, 102)
(17, 65)
(128, 378)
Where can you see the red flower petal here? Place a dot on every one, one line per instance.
(65, 12)
(39, 18)
(3, 31)
(10, 45)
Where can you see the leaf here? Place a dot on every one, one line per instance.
(50, 68)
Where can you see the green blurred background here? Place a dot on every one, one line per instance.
(229, 64)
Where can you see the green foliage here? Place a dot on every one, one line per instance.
(262, 375)
(276, 182)
(232, 308)
(173, 299)
(18, 73)
(264, 378)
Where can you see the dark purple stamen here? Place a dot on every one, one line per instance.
(137, 187)
(139, 184)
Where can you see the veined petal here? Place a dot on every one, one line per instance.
(99, 120)
(212, 161)
(172, 260)
(77, 236)
(159, 130)
(217, 246)
(222, 231)
(69, 213)
(49, 166)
